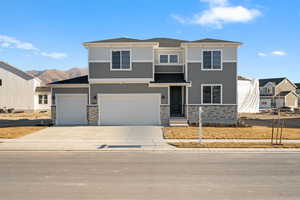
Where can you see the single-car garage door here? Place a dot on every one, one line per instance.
(71, 109)
(129, 109)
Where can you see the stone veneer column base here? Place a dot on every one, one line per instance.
(53, 114)
(213, 114)
(92, 114)
(165, 115)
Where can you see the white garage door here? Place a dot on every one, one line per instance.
(129, 109)
(71, 109)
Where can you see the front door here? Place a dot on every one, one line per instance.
(176, 101)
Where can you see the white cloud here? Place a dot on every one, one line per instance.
(54, 55)
(278, 53)
(262, 54)
(11, 42)
(220, 13)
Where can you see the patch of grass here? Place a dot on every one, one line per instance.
(254, 132)
(233, 145)
(17, 132)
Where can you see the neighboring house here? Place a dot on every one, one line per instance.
(277, 92)
(20, 91)
(298, 92)
(155, 81)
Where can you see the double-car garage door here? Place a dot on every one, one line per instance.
(114, 109)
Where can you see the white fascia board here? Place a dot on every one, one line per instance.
(120, 80)
(69, 85)
(169, 84)
(202, 44)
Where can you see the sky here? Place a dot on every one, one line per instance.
(38, 35)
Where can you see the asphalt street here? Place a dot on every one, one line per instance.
(148, 175)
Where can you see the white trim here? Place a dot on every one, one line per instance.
(130, 60)
(169, 84)
(211, 50)
(142, 61)
(126, 94)
(99, 61)
(69, 85)
(120, 80)
(229, 61)
(168, 54)
(194, 61)
(211, 45)
(221, 98)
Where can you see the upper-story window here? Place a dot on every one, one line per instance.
(171, 58)
(212, 60)
(120, 60)
(0, 82)
(43, 99)
(212, 94)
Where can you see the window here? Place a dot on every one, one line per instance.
(168, 59)
(211, 94)
(43, 99)
(212, 60)
(0, 82)
(120, 60)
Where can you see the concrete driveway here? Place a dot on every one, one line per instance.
(88, 137)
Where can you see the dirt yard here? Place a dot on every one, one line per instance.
(255, 132)
(233, 145)
(17, 132)
(30, 115)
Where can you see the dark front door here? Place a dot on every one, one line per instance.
(176, 101)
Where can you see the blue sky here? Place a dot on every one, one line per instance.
(49, 34)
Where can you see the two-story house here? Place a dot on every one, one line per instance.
(298, 92)
(153, 81)
(277, 93)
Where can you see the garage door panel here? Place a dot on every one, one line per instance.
(131, 109)
(71, 109)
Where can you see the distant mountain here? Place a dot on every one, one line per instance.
(51, 75)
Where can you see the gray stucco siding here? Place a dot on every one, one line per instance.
(226, 77)
(96, 89)
(167, 68)
(68, 91)
(139, 70)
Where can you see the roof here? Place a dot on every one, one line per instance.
(276, 81)
(285, 93)
(15, 71)
(163, 42)
(76, 80)
(298, 85)
(241, 78)
(43, 89)
(169, 78)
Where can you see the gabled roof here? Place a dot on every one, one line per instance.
(241, 78)
(166, 42)
(298, 85)
(15, 71)
(76, 80)
(276, 81)
(163, 42)
(285, 93)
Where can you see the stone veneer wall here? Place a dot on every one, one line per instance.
(92, 114)
(53, 114)
(164, 114)
(213, 114)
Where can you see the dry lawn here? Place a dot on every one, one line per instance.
(25, 115)
(17, 132)
(233, 145)
(255, 132)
